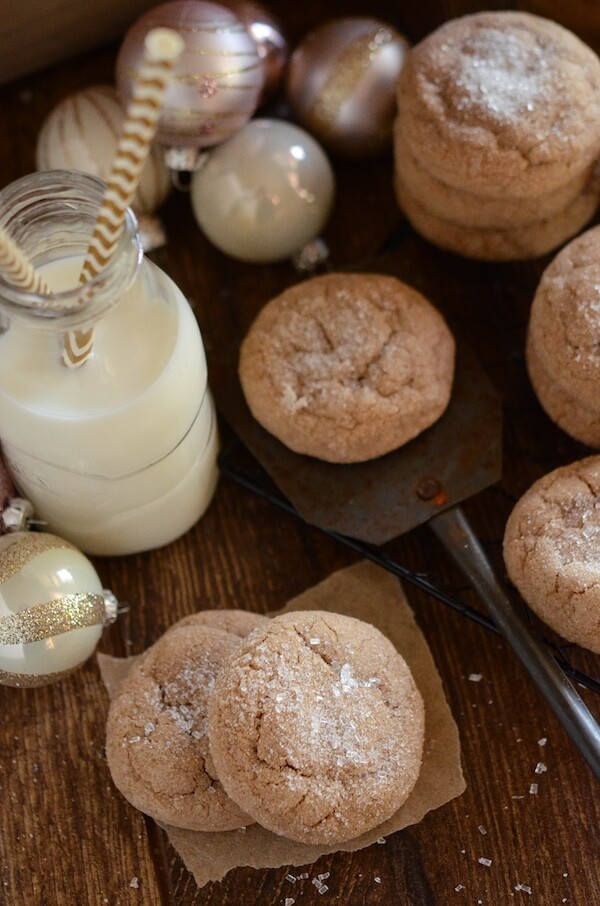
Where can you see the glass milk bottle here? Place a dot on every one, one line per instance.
(119, 454)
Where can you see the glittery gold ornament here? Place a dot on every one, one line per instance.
(52, 609)
(341, 84)
(218, 78)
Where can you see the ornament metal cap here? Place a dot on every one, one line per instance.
(17, 516)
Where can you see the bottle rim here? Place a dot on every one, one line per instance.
(46, 194)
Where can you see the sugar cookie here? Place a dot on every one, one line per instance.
(551, 547)
(346, 367)
(316, 727)
(156, 741)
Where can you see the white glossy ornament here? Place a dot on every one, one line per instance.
(341, 84)
(52, 608)
(265, 193)
(82, 132)
(218, 79)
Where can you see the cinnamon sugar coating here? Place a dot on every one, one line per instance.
(347, 367)
(316, 727)
(551, 545)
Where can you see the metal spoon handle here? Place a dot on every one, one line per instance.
(455, 533)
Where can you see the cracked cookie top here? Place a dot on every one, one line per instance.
(347, 367)
(316, 727)
(551, 545)
(501, 102)
(156, 741)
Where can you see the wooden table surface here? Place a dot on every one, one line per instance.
(67, 837)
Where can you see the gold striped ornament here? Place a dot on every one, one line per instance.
(52, 608)
(82, 133)
(218, 80)
(162, 48)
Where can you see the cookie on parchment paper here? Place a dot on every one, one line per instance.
(316, 727)
(156, 736)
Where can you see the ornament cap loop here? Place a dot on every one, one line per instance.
(111, 607)
(16, 516)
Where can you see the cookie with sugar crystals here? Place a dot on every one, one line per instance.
(551, 547)
(563, 356)
(316, 727)
(156, 736)
(347, 367)
(502, 103)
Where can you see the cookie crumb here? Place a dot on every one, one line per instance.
(377, 879)
(134, 883)
(459, 887)
(483, 861)
(533, 789)
(540, 768)
(289, 901)
(381, 840)
(542, 742)
(475, 677)
(525, 888)
(481, 829)
(290, 878)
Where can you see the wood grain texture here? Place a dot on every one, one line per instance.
(67, 837)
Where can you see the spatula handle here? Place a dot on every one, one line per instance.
(455, 533)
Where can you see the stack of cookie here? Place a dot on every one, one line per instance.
(497, 135)
(311, 726)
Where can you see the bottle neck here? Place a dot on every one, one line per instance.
(51, 217)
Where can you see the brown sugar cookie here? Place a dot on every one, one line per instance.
(563, 355)
(516, 244)
(502, 103)
(316, 727)
(346, 367)
(156, 741)
(477, 210)
(551, 548)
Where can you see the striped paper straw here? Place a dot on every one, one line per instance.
(163, 47)
(17, 268)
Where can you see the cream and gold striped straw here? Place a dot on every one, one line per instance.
(17, 268)
(163, 47)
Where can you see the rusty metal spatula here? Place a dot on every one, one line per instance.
(424, 481)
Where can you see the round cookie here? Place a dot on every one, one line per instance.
(551, 547)
(480, 211)
(564, 323)
(316, 727)
(347, 367)
(156, 743)
(237, 622)
(502, 103)
(517, 244)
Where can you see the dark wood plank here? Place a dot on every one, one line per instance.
(67, 837)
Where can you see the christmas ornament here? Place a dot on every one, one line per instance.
(341, 84)
(218, 80)
(52, 608)
(82, 133)
(270, 41)
(265, 193)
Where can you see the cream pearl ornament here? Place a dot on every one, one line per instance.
(52, 608)
(341, 84)
(265, 193)
(218, 78)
